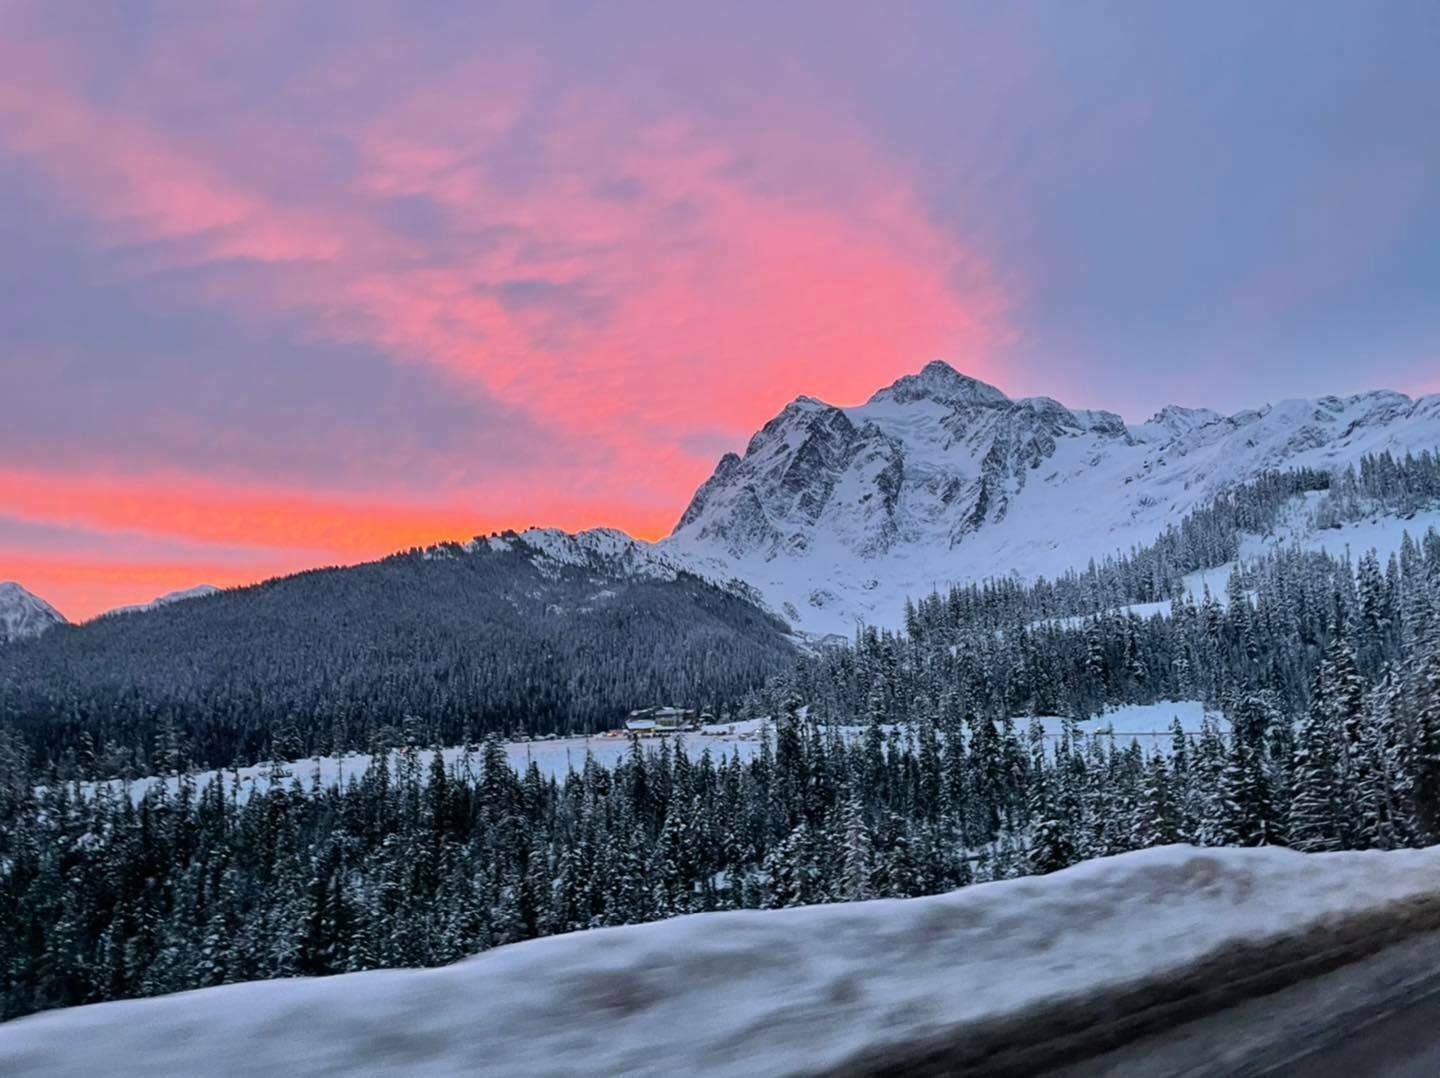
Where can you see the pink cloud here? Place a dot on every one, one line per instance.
(618, 267)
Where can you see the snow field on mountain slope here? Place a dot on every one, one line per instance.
(904, 574)
(746, 993)
(830, 588)
(1060, 487)
(1382, 534)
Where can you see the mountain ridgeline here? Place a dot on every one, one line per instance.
(452, 642)
(925, 512)
(838, 514)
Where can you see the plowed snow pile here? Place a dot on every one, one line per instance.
(747, 993)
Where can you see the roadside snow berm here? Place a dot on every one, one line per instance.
(1002, 977)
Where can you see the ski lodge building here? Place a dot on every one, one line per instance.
(659, 721)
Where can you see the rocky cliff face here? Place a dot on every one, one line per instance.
(934, 457)
(836, 514)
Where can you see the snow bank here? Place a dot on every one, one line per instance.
(749, 993)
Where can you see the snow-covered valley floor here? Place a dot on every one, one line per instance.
(1149, 724)
(794, 991)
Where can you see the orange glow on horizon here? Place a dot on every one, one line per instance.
(194, 508)
(82, 590)
(284, 532)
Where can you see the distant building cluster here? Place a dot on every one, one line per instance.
(659, 721)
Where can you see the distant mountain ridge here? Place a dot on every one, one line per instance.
(199, 591)
(838, 514)
(24, 615)
(539, 632)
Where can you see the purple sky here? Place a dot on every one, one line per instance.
(290, 284)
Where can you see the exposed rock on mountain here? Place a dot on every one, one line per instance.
(837, 514)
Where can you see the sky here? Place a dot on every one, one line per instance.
(285, 285)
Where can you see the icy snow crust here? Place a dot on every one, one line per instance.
(837, 515)
(746, 993)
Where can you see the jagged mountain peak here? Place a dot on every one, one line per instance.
(938, 381)
(601, 548)
(837, 514)
(23, 613)
(1180, 418)
(804, 404)
(1175, 421)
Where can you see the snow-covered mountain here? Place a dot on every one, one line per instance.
(23, 614)
(197, 592)
(600, 549)
(837, 514)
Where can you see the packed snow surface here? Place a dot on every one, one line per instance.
(746, 993)
(1149, 724)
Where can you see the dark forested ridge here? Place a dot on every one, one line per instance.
(460, 641)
